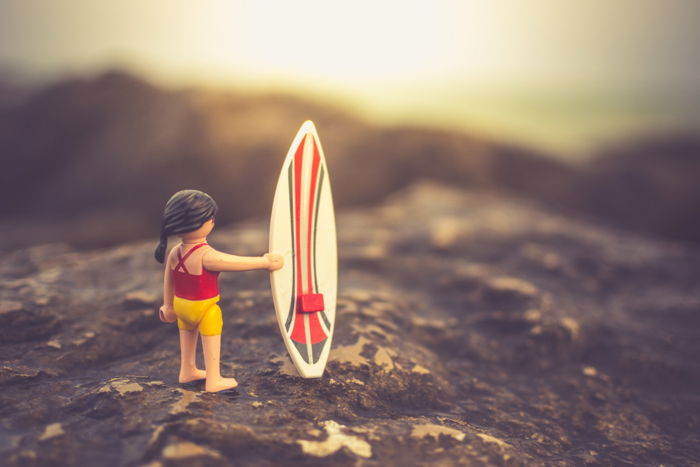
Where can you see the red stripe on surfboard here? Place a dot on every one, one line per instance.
(312, 199)
(298, 333)
(298, 160)
(317, 334)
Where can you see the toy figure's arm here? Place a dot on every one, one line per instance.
(166, 312)
(217, 261)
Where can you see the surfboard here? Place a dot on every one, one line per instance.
(302, 230)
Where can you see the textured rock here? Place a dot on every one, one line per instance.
(470, 330)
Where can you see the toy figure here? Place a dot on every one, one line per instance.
(190, 287)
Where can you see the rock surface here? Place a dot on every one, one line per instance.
(470, 330)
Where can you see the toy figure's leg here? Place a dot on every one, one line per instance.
(212, 353)
(188, 350)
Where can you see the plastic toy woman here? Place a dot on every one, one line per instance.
(190, 287)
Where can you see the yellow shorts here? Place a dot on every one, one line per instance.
(204, 315)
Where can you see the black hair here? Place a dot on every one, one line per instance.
(185, 211)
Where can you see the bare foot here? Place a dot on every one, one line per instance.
(192, 375)
(221, 384)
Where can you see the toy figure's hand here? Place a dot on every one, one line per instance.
(167, 314)
(276, 261)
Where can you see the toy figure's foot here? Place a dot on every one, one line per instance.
(192, 375)
(221, 384)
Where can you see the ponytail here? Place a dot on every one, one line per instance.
(160, 249)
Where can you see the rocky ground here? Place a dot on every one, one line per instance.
(470, 330)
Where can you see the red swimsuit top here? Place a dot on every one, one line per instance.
(193, 286)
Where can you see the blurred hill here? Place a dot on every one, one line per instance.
(93, 160)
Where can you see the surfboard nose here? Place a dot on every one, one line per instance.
(308, 127)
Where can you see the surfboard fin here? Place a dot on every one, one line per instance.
(310, 303)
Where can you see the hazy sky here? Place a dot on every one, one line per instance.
(368, 40)
(383, 51)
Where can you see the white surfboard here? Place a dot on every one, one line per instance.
(302, 229)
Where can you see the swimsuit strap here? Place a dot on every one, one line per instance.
(182, 259)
